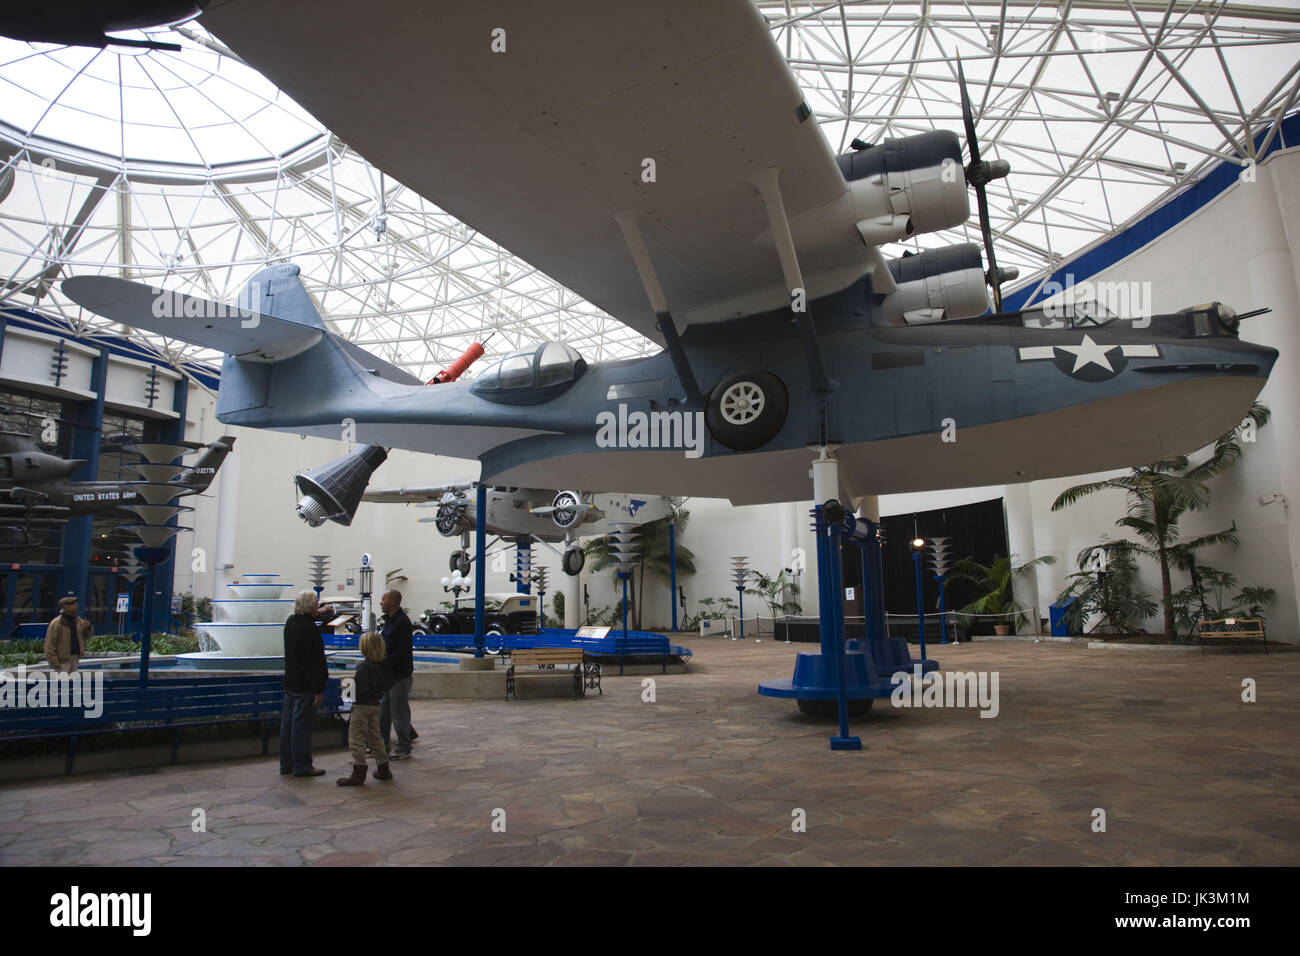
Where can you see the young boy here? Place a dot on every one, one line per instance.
(372, 680)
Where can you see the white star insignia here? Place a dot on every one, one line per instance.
(1088, 353)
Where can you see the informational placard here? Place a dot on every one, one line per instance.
(848, 594)
(123, 604)
(592, 631)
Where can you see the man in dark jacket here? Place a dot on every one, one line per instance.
(304, 686)
(395, 710)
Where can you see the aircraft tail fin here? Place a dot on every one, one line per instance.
(206, 466)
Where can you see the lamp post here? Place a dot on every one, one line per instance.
(539, 577)
(939, 565)
(918, 552)
(738, 575)
(318, 573)
(455, 586)
(624, 552)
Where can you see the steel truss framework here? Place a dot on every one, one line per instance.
(189, 170)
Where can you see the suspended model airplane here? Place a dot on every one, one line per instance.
(34, 485)
(659, 160)
(332, 492)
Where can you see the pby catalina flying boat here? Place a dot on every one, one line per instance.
(331, 492)
(674, 176)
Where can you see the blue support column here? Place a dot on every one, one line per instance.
(943, 615)
(920, 602)
(835, 587)
(623, 576)
(75, 575)
(523, 565)
(165, 576)
(480, 568)
(672, 570)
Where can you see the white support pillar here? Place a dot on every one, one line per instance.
(1274, 277)
(1017, 507)
(223, 569)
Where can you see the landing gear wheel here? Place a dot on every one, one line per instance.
(573, 561)
(460, 562)
(746, 410)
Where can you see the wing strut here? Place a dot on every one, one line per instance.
(627, 221)
(770, 189)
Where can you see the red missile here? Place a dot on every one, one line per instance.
(457, 368)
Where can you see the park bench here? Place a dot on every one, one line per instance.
(1235, 628)
(617, 647)
(167, 704)
(542, 662)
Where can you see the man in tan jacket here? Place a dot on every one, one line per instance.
(66, 637)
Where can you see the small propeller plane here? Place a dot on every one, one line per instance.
(331, 492)
(673, 175)
(540, 514)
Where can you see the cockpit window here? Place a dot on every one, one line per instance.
(530, 376)
(516, 371)
(555, 363)
(1067, 315)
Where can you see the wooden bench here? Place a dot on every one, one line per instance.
(1250, 628)
(167, 704)
(544, 661)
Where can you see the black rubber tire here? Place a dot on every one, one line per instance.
(440, 624)
(573, 561)
(459, 561)
(488, 634)
(739, 392)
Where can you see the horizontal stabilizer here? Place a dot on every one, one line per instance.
(229, 329)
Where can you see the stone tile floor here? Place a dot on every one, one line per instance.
(711, 773)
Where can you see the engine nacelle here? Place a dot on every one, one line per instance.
(935, 285)
(907, 186)
(897, 189)
(333, 491)
(453, 516)
(568, 510)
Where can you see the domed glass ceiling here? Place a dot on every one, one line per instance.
(191, 171)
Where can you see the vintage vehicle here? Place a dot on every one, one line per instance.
(506, 613)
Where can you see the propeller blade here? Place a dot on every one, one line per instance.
(972, 141)
(994, 278)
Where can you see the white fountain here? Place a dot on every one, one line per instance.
(249, 626)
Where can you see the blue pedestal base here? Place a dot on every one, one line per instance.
(846, 743)
(890, 655)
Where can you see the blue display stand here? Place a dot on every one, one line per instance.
(868, 665)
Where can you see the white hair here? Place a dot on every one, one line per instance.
(305, 602)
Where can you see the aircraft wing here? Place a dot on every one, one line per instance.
(407, 495)
(541, 145)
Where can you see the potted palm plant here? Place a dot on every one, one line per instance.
(995, 581)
